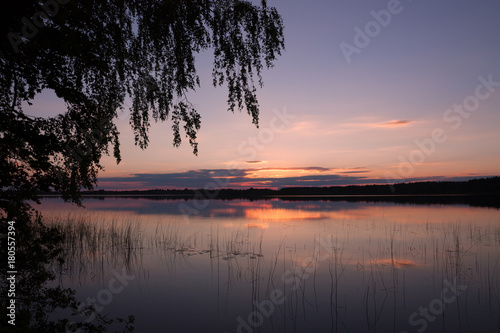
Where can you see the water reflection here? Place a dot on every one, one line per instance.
(35, 303)
(294, 266)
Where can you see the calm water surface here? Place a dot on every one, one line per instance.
(286, 266)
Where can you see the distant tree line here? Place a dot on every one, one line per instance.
(483, 186)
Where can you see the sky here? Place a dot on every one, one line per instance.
(366, 92)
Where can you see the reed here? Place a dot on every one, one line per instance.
(90, 245)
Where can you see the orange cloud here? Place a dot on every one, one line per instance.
(256, 162)
(395, 123)
(388, 124)
(285, 172)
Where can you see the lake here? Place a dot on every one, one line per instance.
(283, 265)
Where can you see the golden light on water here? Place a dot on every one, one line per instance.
(258, 225)
(396, 263)
(282, 214)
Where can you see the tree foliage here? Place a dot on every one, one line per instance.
(96, 53)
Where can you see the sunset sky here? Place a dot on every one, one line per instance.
(365, 92)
